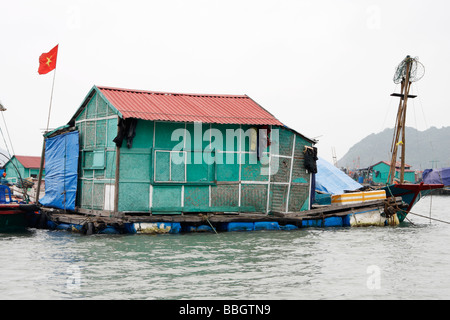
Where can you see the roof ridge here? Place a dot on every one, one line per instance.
(28, 161)
(18, 155)
(244, 96)
(188, 107)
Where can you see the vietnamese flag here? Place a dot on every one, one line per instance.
(47, 61)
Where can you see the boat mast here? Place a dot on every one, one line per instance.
(407, 73)
(400, 126)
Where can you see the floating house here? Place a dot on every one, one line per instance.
(380, 172)
(134, 152)
(22, 167)
(132, 161)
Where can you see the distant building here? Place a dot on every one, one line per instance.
(27, 166)
(380, 172)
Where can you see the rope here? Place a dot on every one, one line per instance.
(431, 201)
(416, 214)
(410, 221)
(207, 220)
(419, 215)
(211, 225)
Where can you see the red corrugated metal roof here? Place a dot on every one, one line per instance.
(398, 164)
(208, 108)
(29, 161)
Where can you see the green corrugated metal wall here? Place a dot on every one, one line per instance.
(383, 175)
(11, 172)
(97, 125)
(151, 179)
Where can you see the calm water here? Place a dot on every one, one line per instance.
(411, 261)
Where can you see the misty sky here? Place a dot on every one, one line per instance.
(322, 67)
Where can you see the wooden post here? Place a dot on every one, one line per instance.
(41, 168)
(395, 137)
(405, 99)
(400, 127)
(394, 147)
(116, 182)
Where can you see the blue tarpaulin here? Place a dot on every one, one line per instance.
(61, 171)
(331, 180)
(437, 176)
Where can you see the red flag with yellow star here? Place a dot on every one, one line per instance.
(47, 61)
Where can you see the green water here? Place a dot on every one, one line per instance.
(406, 262)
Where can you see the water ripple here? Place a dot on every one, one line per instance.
(412, 261)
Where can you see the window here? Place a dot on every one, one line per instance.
(98, 160)
(183, 166)
(170, 166)
(94, 159)
(200, 167)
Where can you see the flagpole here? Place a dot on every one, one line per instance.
(38, 190)
(51, 98)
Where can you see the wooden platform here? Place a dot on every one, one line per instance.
(110, 218)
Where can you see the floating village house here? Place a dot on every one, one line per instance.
(380, 172)
(133, 152)
(22, 167)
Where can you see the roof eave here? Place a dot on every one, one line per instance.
(313, 141)
(86, 100)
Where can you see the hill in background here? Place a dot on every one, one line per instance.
(424, 149)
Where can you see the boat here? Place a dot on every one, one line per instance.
(15, 216)
(393, 213)
(408, 71)
(410, 194)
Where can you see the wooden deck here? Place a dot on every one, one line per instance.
(99, 218)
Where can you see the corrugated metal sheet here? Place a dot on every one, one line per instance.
(398, 164)
(29, 161)
(224, 109)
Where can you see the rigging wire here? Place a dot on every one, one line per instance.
(421, 107)
(433, 153)
(419, 142)
(419, 215)
(388, 108)
(25, 195)
(7, 132)
(6, 145)
(431, 201)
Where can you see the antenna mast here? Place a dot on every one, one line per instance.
(333, 150)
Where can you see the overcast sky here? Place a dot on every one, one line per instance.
(322, 67)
